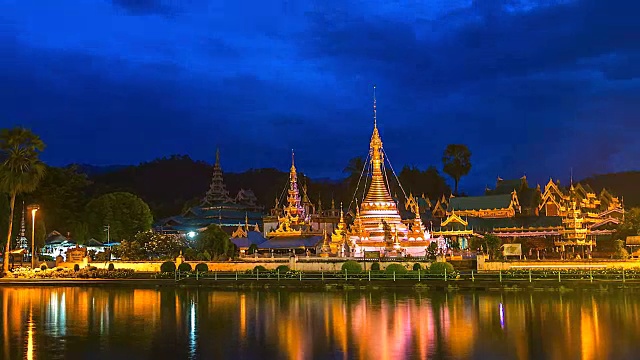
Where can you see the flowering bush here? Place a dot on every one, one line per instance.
(62, 273)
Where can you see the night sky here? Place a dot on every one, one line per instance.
(532, 87)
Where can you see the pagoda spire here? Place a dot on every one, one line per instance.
(378, 191)
(375, 120)
(217, 192)
(294, 209)
(21, 240)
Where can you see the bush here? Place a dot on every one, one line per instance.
(253, 249)
(352, 267)
(260, 268)
(440, 267)
(202, 267)
(111, 267)
(184, 267)
(76, 267)
(168, 266)
(397, 268)
(43, 267)
(417, 267)
(282, 269)
(375, 266)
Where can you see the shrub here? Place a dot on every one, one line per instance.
(439, 268)
(76, 267)
(43, 267)
(397, 268)
(417, 267)
(375, 266)
(260, 268)
(253, 249)
(168, 266)
(111, 267)
(282, 269)
(202, 267)
(352, 267)
(184, 267)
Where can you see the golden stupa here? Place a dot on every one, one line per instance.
(377, 225)
(294, 220)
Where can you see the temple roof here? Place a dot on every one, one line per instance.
(515, 222)
(507, 186)
(502, 201)
(292, 242)
(253, 237)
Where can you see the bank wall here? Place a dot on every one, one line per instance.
(303, 264)
(537, 265)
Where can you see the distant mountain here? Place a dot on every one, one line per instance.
(172, 183)
(91, 170)
(622, 184)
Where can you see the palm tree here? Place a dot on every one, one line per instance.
(20, 170)
(457, 162)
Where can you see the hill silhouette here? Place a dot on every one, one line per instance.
(170, 184)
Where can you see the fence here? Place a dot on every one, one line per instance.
(521, 276)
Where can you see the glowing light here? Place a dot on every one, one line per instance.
(501, 307)
(191, 234)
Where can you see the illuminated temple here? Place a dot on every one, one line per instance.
(513, 211)
(377, 225)
(296, 227)
(217, 207)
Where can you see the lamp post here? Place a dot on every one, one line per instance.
(34, 208)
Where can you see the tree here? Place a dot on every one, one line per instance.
(125, 213)
(62, 197)
(20, 170)
(631, 224)
(432, 250)
(492, 244)
(428, 182)
(160, 246)
(130, 251)
(214, 241)
(457, 162)
(353, 171)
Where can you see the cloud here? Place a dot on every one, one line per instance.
(146, 7)
(531, 86)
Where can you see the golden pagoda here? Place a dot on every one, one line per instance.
(293, 220)
(574, 231)
(377, 224)
(339, 236)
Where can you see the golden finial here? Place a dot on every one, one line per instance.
(218, 157)
(375, 120)
(293, 162)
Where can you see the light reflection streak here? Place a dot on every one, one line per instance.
(193, 336)
(30, 330)
(303, 325)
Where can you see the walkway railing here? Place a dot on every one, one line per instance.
(530, 276)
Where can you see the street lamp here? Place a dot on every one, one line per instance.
(34, 208)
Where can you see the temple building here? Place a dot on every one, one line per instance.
(217, 207)
(290, 228)
(378, 226)
(576, 216)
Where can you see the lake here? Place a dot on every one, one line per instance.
(124, 323)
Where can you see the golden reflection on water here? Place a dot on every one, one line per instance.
(77, 322)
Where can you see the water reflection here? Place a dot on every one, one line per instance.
(40, 323)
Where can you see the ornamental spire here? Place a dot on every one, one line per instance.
(375, 120)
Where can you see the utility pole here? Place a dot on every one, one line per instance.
(107, 228)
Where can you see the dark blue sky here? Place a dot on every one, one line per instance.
(533, 87)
